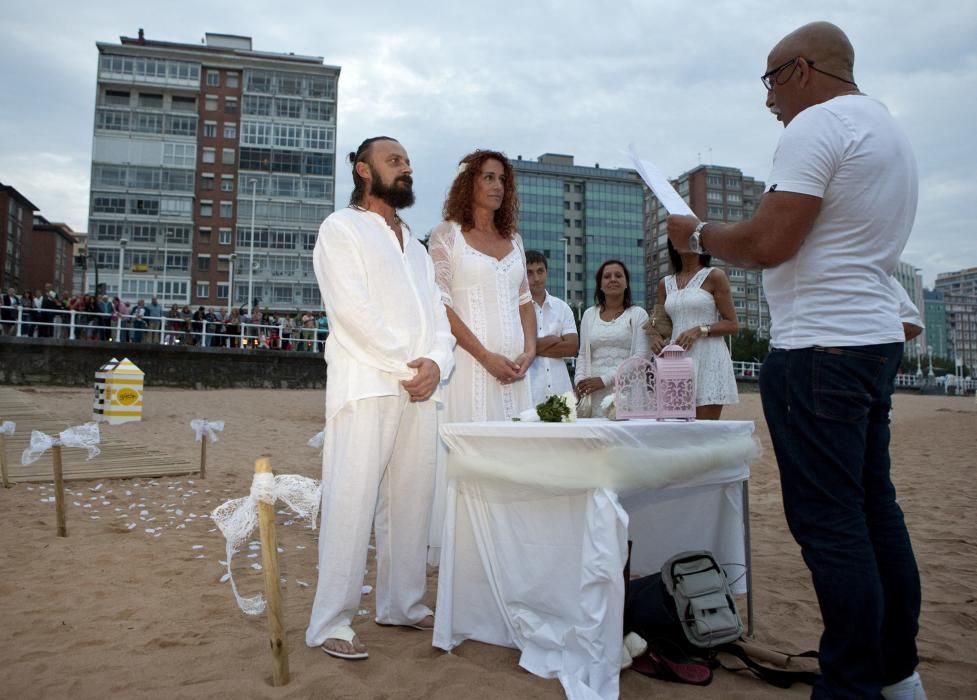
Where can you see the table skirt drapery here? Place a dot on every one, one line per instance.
(538, 519)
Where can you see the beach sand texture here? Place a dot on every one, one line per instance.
(130, 604)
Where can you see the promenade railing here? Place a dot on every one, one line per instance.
(24, 322)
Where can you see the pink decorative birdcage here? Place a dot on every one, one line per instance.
(634, 389)
(675, 384)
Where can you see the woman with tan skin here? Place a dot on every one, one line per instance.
(610, 333)
(479, 262)
(697, 299)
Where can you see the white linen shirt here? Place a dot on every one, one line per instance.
(548, 375)
(383, 305)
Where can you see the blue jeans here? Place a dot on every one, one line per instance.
(828, 414)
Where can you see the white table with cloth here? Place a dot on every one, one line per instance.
(537, 527)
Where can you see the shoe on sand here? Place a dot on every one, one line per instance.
(345, 634)
(424, 625)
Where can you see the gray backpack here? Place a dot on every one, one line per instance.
(705, 605)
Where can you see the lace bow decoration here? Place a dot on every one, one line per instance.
(318, 440)
(86, 436)
(7, 427)
(238, 518)
(201, 426)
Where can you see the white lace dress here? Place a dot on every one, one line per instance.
(605, 345)
(690, 307)
(486, 294)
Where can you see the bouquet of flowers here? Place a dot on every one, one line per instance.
(559, 408)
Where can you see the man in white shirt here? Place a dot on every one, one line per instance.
(556, 334)
(388, 348)
(828, 234)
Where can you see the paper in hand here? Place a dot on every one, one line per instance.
(670, 199)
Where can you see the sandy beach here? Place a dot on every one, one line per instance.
(114, 611)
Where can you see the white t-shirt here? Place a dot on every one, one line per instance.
(835, 291)
(549, 375)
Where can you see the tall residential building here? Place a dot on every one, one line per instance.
(960, 298)
(195, 144)
(911, 279)
(580, 216)
(935, 319)
(715, 193)
(16, 221)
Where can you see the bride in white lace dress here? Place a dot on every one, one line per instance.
(697, 299)
(480, 267)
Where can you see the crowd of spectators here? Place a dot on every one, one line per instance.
(48, 314)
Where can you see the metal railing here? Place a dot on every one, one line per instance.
(23, 322)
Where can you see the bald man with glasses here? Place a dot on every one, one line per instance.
(828, 234)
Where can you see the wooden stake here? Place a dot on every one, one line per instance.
(203, 456)
(3, 461)
(59, 490)
(269, 562)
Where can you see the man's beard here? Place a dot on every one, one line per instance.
(399, 194)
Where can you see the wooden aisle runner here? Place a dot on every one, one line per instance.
(119, 459)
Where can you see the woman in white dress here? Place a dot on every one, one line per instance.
(697, 299)
(480, 265)
(610, 333)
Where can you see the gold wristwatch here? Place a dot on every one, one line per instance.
(704, 330)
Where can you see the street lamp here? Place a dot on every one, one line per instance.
(254, 198)
(230, 284)
(122, 254)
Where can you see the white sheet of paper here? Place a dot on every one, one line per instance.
(659, 184)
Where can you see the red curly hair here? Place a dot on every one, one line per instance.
(459, 206)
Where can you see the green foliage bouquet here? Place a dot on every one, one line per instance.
(559, 408)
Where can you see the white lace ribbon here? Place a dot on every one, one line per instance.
(7, 427)
(318, 440)
(86, 436)
(238, 518)
(201, 426)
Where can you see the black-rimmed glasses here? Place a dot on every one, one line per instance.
(770, 78)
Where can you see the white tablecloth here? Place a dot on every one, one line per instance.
(538, 518)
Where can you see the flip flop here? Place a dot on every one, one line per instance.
(344, 634)
(657, 665)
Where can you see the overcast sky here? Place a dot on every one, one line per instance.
(679, 80)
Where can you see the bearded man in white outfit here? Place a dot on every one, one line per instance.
(388, 348)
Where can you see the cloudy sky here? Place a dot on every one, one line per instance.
(679, 80)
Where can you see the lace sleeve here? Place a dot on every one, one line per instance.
(524, 296)
(441, 244)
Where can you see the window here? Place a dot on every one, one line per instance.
(714, 180)
(566, 186)
(579, 258)
(714, 196)
(258, 105)
(209, 155)
(317, 164)
(232, 79)
(566, 223)
(109, 205)
(116, 97)
(147, 122)
(230, 130)
(578, 276)
(578, 187)
(227, 156)
(151, 100)
(206, 208)
(171, 206)
(203, 234)
(230, 105)
(203, 290)
(318, 138)
(181, 126)
(213, 78)
(112, 120)
(210, 103)
(203, 265)
(145, 207)
(222, 288)
(578, 224)
(207, 181)
(223, 263)
(318, 111)
(224, 236)
(227, 183)
(578, 240)
(733, 183)
(226, 210)
(715, 212)
(210, 130)
(566, 205)
(287, 136)
(288, 108)
(576, 206)
(734, 197)
(183, 104)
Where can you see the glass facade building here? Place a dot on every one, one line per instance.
(580, 217)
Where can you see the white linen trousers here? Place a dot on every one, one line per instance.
(377, 469)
